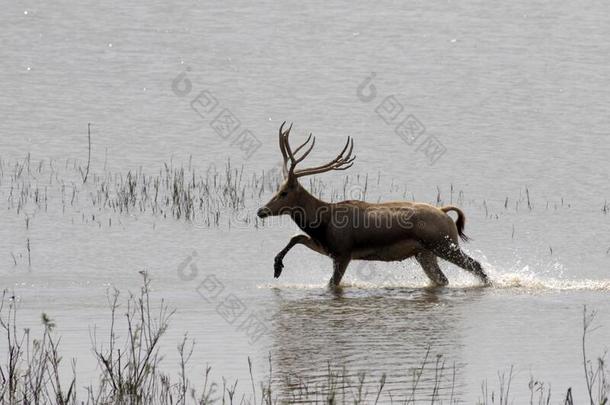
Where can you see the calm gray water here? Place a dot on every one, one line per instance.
(516, 95)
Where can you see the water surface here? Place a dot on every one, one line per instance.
(517, 94)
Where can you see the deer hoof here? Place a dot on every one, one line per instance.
(278, 266)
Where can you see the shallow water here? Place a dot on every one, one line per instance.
(517, 94)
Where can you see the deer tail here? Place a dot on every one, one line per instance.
(461, 220)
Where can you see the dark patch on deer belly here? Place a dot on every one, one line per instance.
(317, 233)
(394, 252)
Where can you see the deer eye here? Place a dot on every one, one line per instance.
(283, 194)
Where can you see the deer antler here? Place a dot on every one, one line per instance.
(342, 162)
(282, 136)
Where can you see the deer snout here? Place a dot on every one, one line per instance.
(263, 212)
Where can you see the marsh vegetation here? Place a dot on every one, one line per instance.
(131, 369)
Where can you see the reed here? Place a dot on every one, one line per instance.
(131, 369)
(212, 197)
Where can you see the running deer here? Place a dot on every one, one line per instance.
(357, 230)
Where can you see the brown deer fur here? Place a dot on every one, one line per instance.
(357, 230)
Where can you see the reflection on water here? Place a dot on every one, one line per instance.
(389, 330)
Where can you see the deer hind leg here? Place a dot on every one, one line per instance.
(339, 267)
(428, 262)
(456, 256)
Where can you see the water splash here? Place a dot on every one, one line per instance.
(527, 279)
(548, 277)
(504, 281)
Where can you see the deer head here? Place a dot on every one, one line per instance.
(291, 195)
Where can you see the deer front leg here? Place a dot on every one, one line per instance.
(278, 264)
(339, 267)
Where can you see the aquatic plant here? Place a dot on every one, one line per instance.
(131, 369)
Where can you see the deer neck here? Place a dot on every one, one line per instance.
(311, 212)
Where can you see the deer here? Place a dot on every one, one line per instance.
(357, 230)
